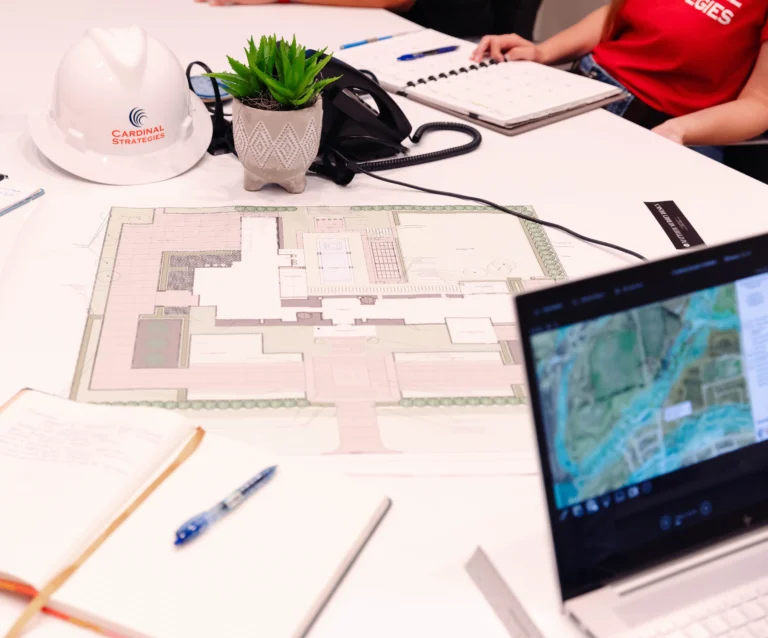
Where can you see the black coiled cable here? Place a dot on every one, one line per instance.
(334, 165)
(414, 160)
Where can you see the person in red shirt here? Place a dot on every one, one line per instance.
(696, 71)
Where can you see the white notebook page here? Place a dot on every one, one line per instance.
(513, 92)
(65, 471)
(381, 57)
(260, 571)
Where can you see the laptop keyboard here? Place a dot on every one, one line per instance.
(739, 613)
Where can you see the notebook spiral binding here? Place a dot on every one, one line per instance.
(440, 76)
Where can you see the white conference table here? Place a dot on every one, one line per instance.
(592, 172)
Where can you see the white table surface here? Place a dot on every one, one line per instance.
(592, 172)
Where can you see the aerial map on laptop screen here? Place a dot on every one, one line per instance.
(647, 391)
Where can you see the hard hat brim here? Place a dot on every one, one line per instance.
(124, 170)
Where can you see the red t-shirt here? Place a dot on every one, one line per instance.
(680, 56)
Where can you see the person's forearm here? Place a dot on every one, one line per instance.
(576, 41)
(727, 123)
(396, 5)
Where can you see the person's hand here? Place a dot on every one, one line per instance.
(673, 130)
(221, 3)
(509, 47)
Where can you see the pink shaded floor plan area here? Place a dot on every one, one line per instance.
(359, 308)
(137, 292)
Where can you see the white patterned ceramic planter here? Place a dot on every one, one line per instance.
(276, 147)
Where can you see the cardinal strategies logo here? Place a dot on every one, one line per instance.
(140, 133)
(137, 117)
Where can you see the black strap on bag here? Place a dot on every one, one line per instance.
(221, 141)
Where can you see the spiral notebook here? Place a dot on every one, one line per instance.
(509, 97)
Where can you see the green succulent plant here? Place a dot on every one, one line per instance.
(279, 69)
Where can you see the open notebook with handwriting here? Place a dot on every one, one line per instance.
(507, 97)
(70, 474)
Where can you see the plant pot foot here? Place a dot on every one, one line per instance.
(295, 184)
(253, 182)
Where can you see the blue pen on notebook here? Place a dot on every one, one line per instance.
(200, 523)
(424, 54)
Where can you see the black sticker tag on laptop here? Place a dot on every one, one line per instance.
(672, 221)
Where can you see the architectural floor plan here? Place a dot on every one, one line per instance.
(365, 312)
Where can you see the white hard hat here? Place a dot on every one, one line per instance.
(122, 112)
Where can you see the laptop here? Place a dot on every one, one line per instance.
(649, 391)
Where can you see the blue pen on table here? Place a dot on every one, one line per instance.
(194, 527)
(424, 54)
(360, 43)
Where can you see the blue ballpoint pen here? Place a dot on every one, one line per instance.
(360, 43)
(423, 54)
(200, 523)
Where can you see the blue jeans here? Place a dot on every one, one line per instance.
(592, 69)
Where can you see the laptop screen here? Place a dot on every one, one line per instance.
(649, 388)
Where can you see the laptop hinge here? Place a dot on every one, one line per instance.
(632, 584)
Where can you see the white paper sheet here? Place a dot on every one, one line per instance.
(71, 467)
